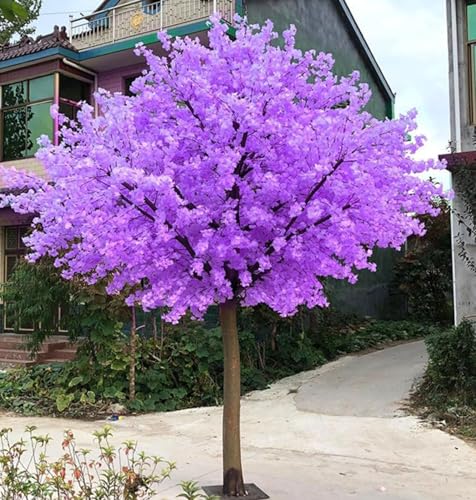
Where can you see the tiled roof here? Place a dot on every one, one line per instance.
(28, 45)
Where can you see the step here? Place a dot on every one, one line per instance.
(52, 346)
(20, 343)
(52, 360)
(11, 344)
(15, 336)
(18, 363)
(68, 354)
(15, 354)
(63, 354)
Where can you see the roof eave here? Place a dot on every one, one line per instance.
(106, 4)
(365, 47)
(37, 57)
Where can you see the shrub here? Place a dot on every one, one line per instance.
(447, 392)
(179, 367)
(179, 374)
(358, 335)
(423, 275)
(451, 373)
(35, 292)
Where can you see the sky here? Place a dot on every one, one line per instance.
(407, 38)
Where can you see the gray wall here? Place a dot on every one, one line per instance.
(462, 132)
(373, 295)
(322, 26)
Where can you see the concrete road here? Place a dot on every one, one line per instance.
(371, 386)
(304, 454)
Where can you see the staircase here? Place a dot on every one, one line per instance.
(13, 352)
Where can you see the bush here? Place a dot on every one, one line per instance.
(180, 374)
(36, 293)
(168, 368)
(451, 373)
(447, 392)
(359, 335)
(423, 275)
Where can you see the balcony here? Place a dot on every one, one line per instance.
(139, 17)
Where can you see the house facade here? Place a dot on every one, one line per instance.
(461, 15)
(66, 66)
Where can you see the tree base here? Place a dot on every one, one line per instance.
(253, 492)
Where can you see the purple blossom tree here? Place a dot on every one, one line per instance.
(240, 173)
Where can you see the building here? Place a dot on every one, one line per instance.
(461, 15)
(66, 66)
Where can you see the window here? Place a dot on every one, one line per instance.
(127, 85)
(25, 116)
(471, 41)
(72, 92)
(14, 250)
(25, 113)
(151, 6)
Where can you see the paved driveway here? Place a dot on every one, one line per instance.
(369, 386)
(327, 434)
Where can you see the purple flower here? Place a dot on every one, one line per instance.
(239, 169)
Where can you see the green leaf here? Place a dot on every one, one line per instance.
(63, 401)
(11, 10)
(118, 365)
(88, 397)
(75, 381)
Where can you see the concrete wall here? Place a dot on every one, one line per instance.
(462, 137)
(322, 26)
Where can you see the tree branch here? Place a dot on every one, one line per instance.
(183, 240)
(314, 190)
(270, 249)
(194, 114)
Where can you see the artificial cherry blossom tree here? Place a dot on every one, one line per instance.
(240, 173)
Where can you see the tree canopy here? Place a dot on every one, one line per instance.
(240, 169)
(16, 16)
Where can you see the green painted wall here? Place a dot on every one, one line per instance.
(321, 26)
(373, 295)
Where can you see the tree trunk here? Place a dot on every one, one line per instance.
(233, 484)
(133, 349)
(273, 336)
(154, 328)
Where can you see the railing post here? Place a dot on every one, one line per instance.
(71, 27)
(214, 6)
(113, 25)
(162, 5)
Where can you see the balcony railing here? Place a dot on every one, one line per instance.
(138, 17)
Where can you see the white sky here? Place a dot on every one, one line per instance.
(407, 37)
